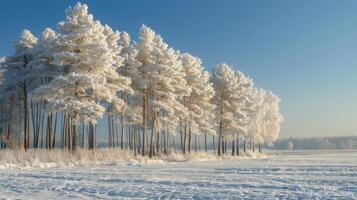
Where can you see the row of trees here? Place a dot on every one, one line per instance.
(55, 88)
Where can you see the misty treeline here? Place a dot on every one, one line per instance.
(316, 143)
(154, 98)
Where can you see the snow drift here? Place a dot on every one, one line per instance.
(61, 158)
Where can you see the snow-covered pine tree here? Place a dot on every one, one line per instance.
(83, 48)
(256, 115)
(161, 84)
(224, 83)
(200, 118)
(272, 118)
(42, 73)
(265, 118)
(17, 80)
(144, 56)
(122, 80)
(130, 114)
(241, 105)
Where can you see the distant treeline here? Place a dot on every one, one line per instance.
(347, 142)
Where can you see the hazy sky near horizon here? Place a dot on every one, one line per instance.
(302, 50)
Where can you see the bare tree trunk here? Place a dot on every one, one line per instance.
(90, 136)
(166, 139)
(244, 146)
(220, 127)
(116, 130)
(196, 144)
(42, 125)
(113, 131)
(233, 153)
(75, 137)
(250, 144)
(49, 132)
(152, 135)
(109, 132)
(26, 120)
(26, 113)
(181, 136)
(158, 142)
(206, 142)
(82, 140)
(63, 131)
(33, 123)
(38, 116)
(70, 133)
(260, 148)
(174, 142)
(139, 139)
(189, 139)
(237, 151)
(185, 138)
(122, 131)
(20, 123)
(144, 122)
(54, 132)
(95, 137)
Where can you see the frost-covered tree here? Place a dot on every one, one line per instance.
(232, 92)
(272, 118)
(242, 105)
(43, 71)
(200, 118)
(144, 56)
(160, 85)
(265, 118)
(224, 80)
(129, 114)
(17, 79)
(83, 48)
(255, 128)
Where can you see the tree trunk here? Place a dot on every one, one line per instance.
(181, 135)
(122, 131)
(206, 142)
(233, 153)
(237, 151)
(75, 137)
(196, 143)
(244, 146)
(43, 122)
(260, 148)
(54, 132)
(90, 136)
(144, 122)
(250, 144)
(152, 135)
(185, 138)
(189, 139)
(214, 144)
(109, 132)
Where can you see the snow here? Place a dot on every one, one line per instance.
(286, 175)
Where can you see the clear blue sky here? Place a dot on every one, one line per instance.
(303, 50)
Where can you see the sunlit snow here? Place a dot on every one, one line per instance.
(291, 175)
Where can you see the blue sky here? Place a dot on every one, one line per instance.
(303, 50)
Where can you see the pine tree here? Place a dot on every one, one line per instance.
(200, 118)
(83, 49)
(16, 83)
(224, 80)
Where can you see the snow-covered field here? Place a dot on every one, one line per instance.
(289, 175)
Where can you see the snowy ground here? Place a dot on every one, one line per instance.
(290, 175)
